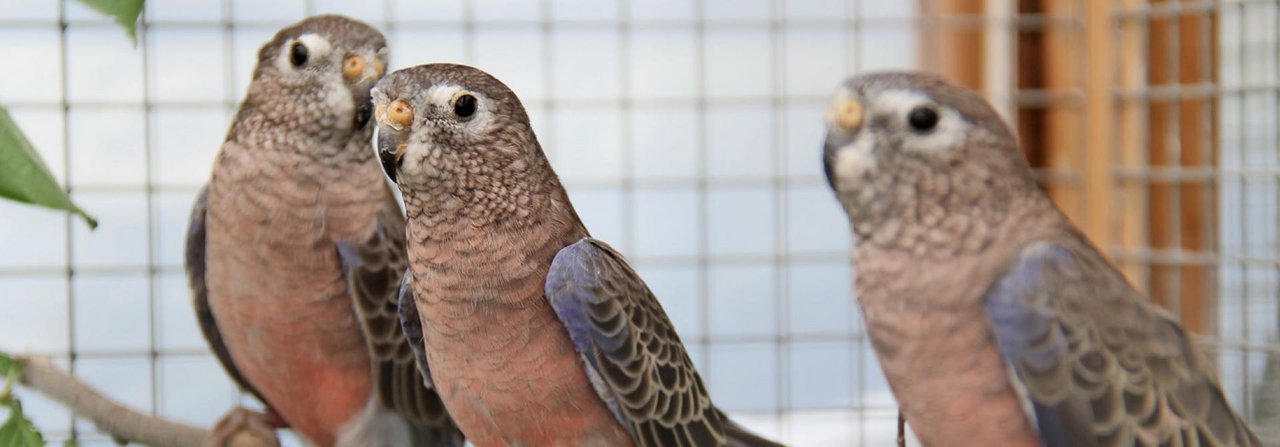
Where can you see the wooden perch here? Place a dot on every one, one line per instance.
(902, 430)
(122, 423)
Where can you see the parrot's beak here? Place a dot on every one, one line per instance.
(361, 73)
(390, 149)
(358, 69)
(363, 99)
(844, 120)
(394, 121)
(845, 113)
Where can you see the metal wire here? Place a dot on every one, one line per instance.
(780, 402)
(710, 344)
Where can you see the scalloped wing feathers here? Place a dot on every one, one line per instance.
(1096, 357)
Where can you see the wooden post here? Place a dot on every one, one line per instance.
(1064, 140)
(1099, 180)
(1132, 148)
(1199, 215)
(954, 40)
(1183, 211)
(1030, 57)
(1083, 145)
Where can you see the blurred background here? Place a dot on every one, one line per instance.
(688, 134)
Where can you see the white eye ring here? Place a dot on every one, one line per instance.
(947, 127)
(317, 48)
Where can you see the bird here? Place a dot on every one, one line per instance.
(995, 320)
(295, 250)
(534, 332)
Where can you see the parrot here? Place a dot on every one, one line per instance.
(533, 332)
(995, 320)
(295, 250)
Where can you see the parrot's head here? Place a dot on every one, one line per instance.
(454, 126)
(911, 149)
(319, 72)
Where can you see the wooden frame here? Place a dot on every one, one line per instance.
(1182, 128)
(1115, 154)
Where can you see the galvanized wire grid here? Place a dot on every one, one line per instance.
(687, 133)
(1248, 179)
(1234, 102)
(1231, 183)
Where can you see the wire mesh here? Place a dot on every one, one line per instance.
(1182, 191)
(1248, 181)
(687, 133)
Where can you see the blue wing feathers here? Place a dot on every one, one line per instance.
(347, 252)
(1022, 325)
(570, 290)
(631, 352)
(568, 298)
(1101, 365)
(411, 325)
(1025, 328)
(571, 287)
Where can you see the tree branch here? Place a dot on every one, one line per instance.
(122, 423)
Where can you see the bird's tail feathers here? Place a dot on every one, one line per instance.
(739, 436)
(436, 436)
(376, 426)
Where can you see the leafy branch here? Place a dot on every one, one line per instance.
(126, 13)
(24, 177)
(123, 423)
(17, 430)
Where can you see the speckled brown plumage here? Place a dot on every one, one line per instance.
(482, 233)
(966, 273)
(296, 251)
(516, 359)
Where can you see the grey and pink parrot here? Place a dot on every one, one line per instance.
(533, 333)
(295, 251)
(995, 320)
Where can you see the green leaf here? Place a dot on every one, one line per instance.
(24, 176)
(7, 364)
(70, 443)
(18, 431)
(126, 13)
(11, 370)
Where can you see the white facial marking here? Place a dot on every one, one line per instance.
(441, 94)
(338, 98)
(855, 159)
(948, 132)
(417, 162)
(899, 101)
(317, 47)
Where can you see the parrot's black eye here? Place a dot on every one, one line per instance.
(298, 54)
(922, 119)
(464, 106)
